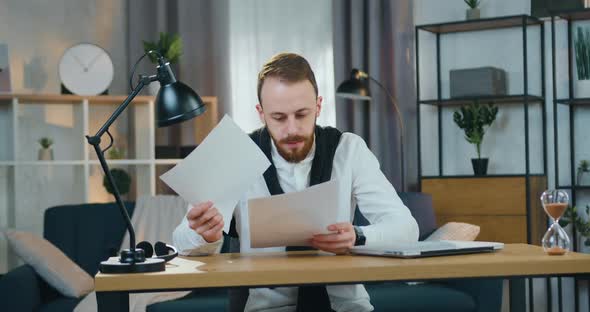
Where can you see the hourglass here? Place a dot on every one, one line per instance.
(555, 241)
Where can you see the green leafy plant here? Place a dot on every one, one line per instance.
(583, 167)
(582, 53)
(45, 142)
(121, 177)
(122, 180)
(582, 226)
(473, 3)
(116, 153)
(169, 45)
(473, 119)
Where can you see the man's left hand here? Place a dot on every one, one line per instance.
(339, 242)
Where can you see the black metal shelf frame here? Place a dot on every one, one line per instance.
(573, 103)
(515, 21)
(521, 21)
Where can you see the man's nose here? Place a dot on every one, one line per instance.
(292, 125)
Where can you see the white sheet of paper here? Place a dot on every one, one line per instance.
(220, 169)
(293, 218)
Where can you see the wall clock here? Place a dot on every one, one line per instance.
(86, 69)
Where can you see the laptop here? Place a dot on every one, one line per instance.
(429, 249)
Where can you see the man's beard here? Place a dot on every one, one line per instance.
(294, 155)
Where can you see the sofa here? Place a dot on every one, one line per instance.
(90, 233)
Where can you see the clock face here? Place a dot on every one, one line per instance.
(86, 69)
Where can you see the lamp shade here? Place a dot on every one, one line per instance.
(177, 102)
(355, 88)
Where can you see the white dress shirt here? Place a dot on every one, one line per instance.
(357, 170)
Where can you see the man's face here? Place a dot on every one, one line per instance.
(289, 111)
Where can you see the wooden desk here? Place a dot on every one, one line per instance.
(301, 268)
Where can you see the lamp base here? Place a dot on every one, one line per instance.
(114, 266)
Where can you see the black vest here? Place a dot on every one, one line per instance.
(310, 298)
(326, 142)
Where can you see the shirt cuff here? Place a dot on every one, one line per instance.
(372, 236)
(204, 248)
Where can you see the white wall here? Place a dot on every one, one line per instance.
(38, 32)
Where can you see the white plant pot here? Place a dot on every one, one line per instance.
(582, 89)
(472, 14)
(581, 247)
(583, 178)
(45, 154)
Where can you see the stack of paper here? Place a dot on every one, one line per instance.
(292, 219)
(220, 169)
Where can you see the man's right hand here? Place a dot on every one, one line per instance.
(206, 220)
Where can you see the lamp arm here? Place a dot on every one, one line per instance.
(95, 142)
(144, 80)
(392, 99)
(401, 126)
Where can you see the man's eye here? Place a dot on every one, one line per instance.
(299, 116)
(280, 118)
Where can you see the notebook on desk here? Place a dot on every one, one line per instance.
(429, 249)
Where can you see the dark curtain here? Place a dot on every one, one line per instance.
(203, 26)
(377, 36)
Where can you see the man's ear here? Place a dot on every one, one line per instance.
(318, 105)
(260, 113)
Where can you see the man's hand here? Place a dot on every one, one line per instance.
(206, 221)
(338, 243)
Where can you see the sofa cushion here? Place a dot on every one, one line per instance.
(60, 304)
(86, 233)
(420, 206)
(20, 289)
(411, 298)
(455, 231)
(50, 263)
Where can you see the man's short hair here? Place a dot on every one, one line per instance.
(288, 67)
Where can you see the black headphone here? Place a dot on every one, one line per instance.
(163, 250)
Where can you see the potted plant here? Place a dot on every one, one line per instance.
(120, 176)
(473, 11)
(122, 180)
(473, 119)
(582, 56)
(116, 152)
(582, 224)
(583, 170)
(170, 46)
(45, 153)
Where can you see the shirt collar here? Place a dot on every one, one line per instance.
(280, 162)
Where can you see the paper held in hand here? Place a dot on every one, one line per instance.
(292, 219)
(220, 169)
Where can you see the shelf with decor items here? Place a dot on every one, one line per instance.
(571, 103)
(442, 88)
(72, 174)
(490, 67)
(570, 41)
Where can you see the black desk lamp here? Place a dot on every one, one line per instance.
(176, 102)
(357, 88)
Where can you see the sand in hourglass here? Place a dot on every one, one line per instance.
(555, 210)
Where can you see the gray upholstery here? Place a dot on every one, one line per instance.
(420, 205)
